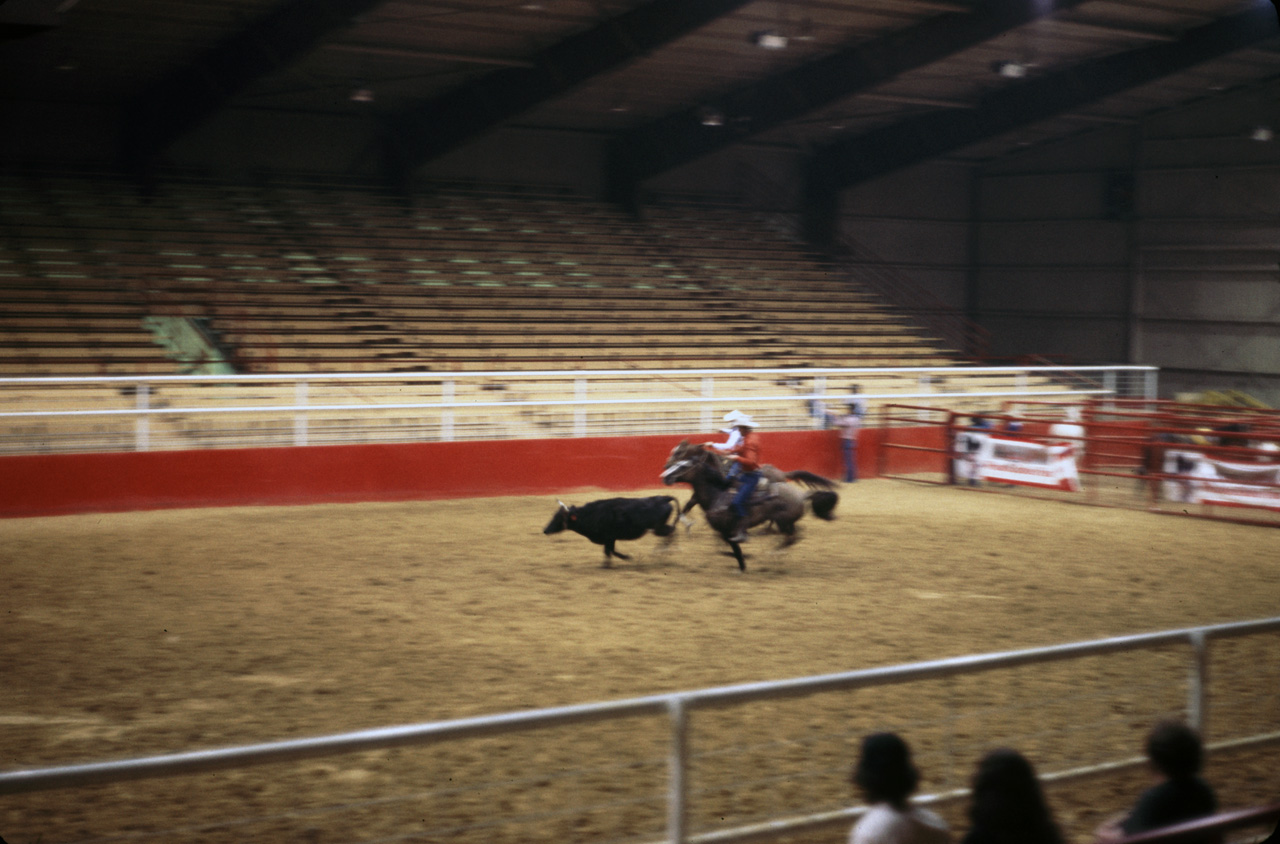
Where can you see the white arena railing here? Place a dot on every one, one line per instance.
(1200, 704)
(122, 413)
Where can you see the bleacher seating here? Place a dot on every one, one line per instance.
(331, 277)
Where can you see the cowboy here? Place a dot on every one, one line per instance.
(745, 454)
(735, 436)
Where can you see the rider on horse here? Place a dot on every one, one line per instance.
(742, 447)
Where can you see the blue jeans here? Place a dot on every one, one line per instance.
(745, 488)
(850, 449)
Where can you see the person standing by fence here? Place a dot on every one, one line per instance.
(849, 424)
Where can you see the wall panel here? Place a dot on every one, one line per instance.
(589, 468)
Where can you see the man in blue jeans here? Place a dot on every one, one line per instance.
(849, 425)
(746, 456)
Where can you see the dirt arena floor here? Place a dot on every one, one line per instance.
(145, 633)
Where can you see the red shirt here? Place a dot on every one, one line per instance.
(748, 451)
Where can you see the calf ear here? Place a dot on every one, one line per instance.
(563, 506)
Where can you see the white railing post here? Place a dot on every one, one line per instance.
(678, 786)
(704, 412)
(819, 391)
(142, 428)
(579, 410)
(1198, 684)
(448, 390)
(1149, 388)
(300, 418)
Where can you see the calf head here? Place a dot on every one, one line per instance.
(562, 519)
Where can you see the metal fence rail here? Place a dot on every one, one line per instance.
(679, 710)
(44, 415)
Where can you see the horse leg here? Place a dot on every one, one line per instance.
(788, 530)
(737, 553)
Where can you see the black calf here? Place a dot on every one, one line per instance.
(606, 521)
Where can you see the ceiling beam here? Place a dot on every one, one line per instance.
(440, 125)
(185, 97)
(851, 160)
(679, 138)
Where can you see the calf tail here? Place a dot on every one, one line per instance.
(824, 503)
(665, 529)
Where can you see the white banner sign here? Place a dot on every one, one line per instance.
(988, 457)
(1207, 481)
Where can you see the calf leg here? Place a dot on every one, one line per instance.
(610, 551)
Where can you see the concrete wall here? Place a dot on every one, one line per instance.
(42, 485)
(1053, 252)
(1155, 243)
(917, 222)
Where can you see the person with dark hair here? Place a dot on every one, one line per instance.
(1175, 753)
(1007, 805)
(887, 778)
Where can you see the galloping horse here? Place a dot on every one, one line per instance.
(781, 503)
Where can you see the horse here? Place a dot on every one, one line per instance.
(777, 501)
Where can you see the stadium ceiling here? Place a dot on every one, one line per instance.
(863, 86)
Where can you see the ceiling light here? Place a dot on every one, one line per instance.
(1010, 70)
(1262, 133)
(769, 40)
(710, 116)
(362, 95)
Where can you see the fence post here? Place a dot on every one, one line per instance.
(678, 787)
(579, 411)
(819, 400)
(300, 418)
(704, 413)
(142, 428)
(447, 392)
(1198, 684)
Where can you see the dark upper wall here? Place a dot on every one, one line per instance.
(1153, 243)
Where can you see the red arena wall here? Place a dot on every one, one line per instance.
(78, 483)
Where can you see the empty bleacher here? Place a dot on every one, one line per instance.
(326, 277)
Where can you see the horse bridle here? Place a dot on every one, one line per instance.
(684, 462)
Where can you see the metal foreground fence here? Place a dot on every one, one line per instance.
(1074, 708)
(55, 414)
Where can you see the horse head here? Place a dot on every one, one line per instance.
(689, 461)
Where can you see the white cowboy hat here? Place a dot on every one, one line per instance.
(744, 421)
(733, 416)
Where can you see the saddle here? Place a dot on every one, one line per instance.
(762, 492)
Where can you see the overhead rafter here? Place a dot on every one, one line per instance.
(181, 100)
(851, 160)
(440, 125)
(679, 138)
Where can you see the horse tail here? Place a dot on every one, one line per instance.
(810, 480)
(824, 502)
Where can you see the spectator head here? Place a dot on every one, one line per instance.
(1174, 749)
(884, 771)
(1008, 802)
